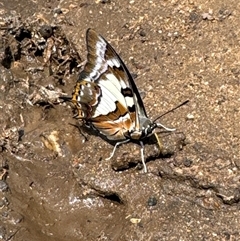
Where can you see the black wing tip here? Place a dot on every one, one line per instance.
(91, 31)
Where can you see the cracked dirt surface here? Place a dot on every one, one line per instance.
(55, 182)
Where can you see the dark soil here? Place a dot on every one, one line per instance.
(55, 183)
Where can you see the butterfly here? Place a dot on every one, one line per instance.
(107, 99)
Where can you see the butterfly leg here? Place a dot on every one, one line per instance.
(142, 156)
(115, 147)
(164, 127)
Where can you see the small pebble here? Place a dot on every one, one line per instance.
(57, 10)
(152, 201)
(142, 33)
(190, 116)
(46, 31)
(187, 162)
(135, 220)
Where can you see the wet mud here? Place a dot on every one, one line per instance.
(55, 181)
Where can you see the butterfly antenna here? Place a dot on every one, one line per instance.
(184, 103)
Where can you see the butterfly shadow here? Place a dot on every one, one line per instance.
(128, 156)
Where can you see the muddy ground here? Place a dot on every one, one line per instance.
(55, 182)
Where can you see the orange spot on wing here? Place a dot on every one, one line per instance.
(115, 129)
